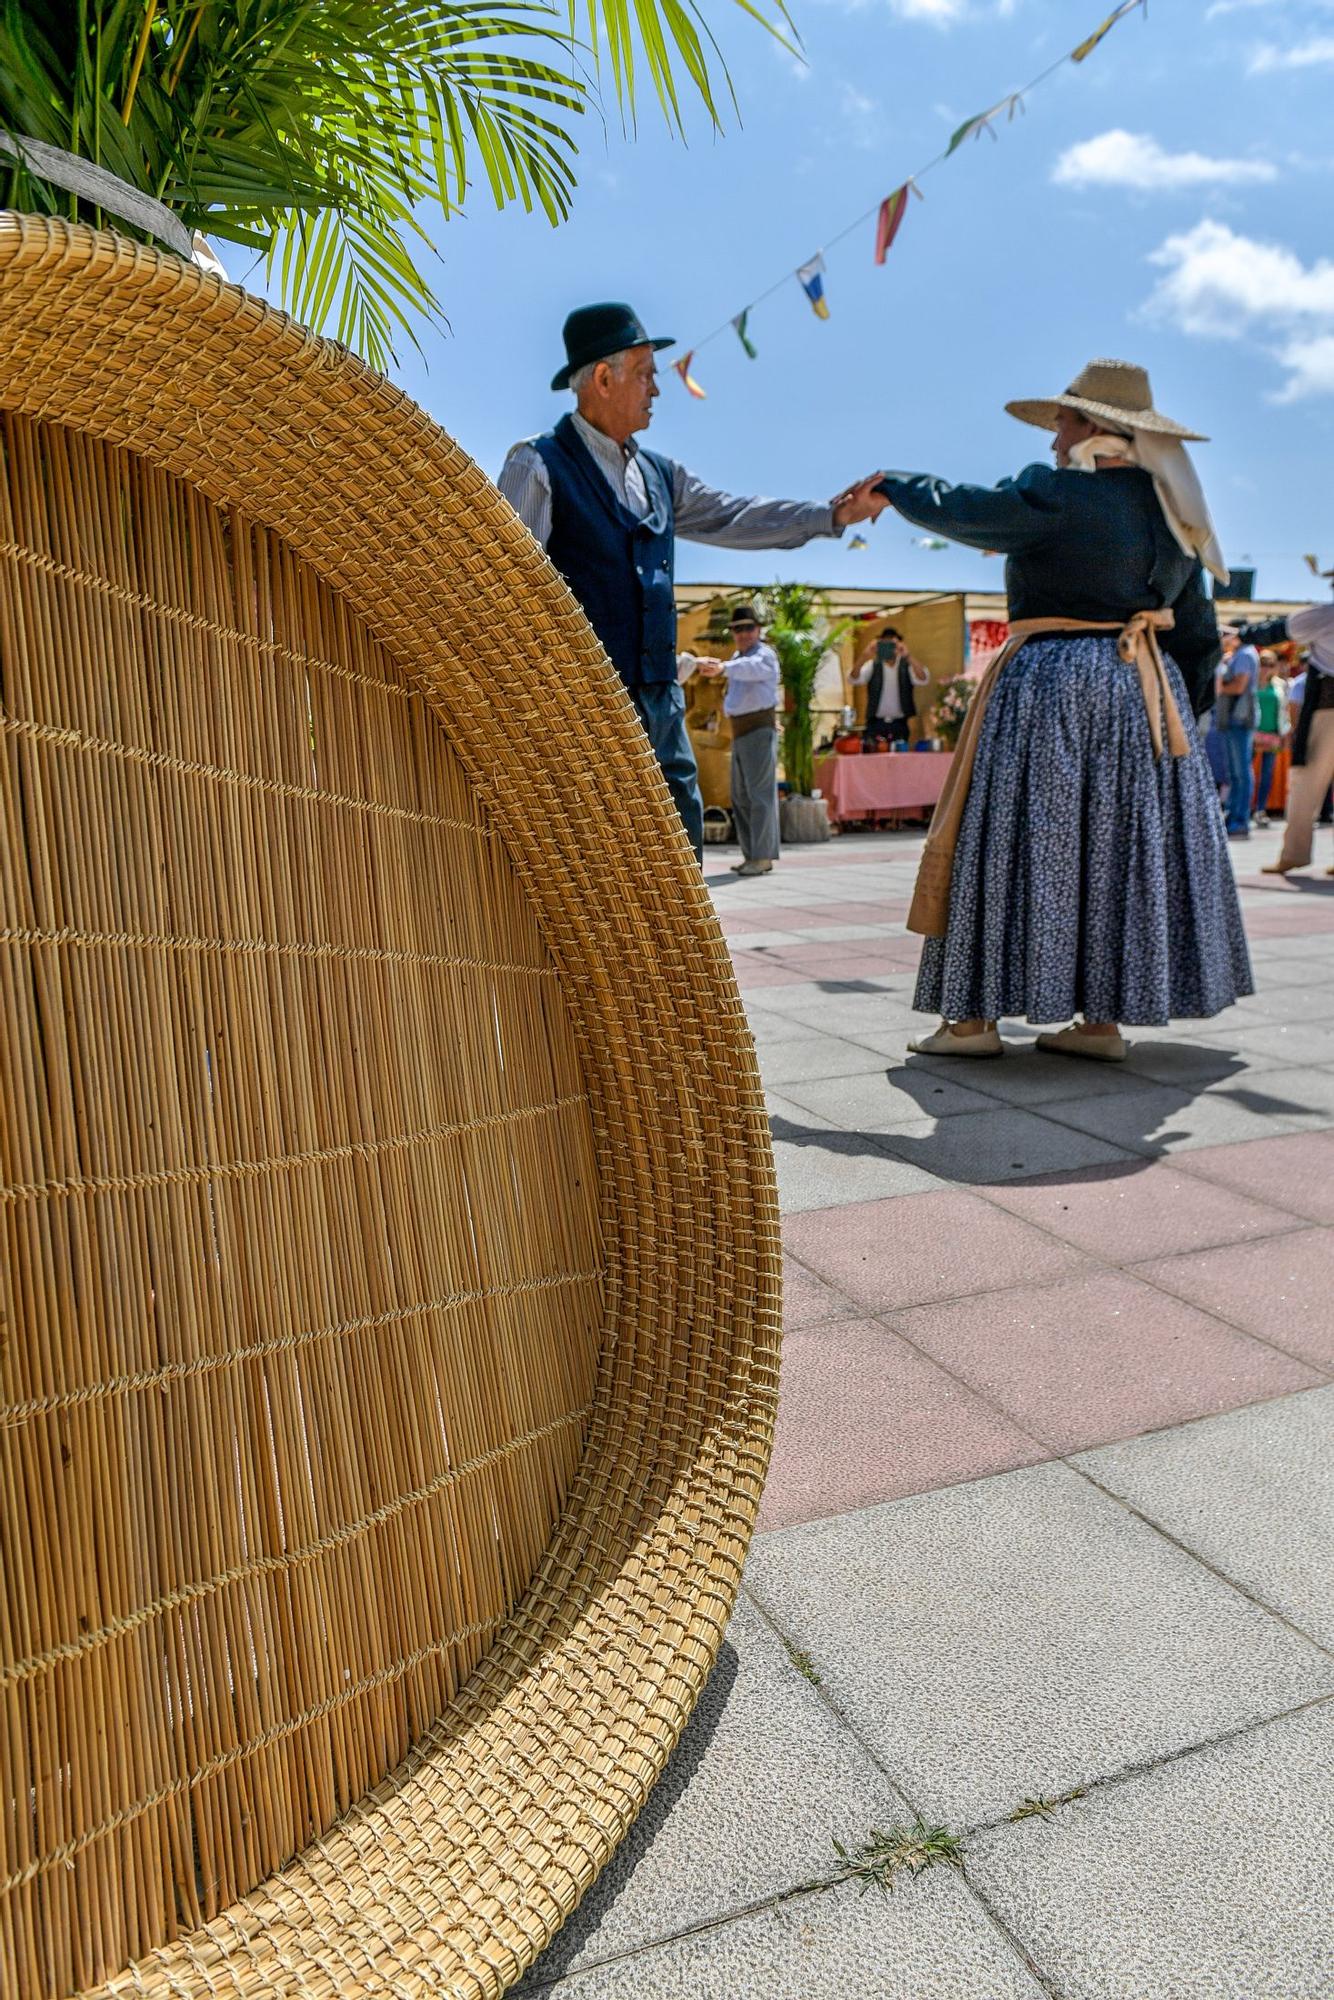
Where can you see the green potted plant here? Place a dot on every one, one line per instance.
(951, 709)
(801, 629)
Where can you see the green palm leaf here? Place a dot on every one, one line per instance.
(314, 130)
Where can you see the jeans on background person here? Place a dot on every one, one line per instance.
(878, 730)
(1264, 781)
(662, 710)
(1239, 747)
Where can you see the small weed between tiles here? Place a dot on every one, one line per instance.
(1041, 1808)
(803, 1663)
(882, 1856)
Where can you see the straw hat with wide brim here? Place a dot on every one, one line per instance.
(392, 1308)
(1116, 392)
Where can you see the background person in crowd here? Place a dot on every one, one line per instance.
(754, 683)
(608, 514)
(889, 677)
(1076, 862)
(1235, 712)
(1271, 729)
(1313, 739)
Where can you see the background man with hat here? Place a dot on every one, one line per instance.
(1313, 744)
(754, 684)
(608, 513)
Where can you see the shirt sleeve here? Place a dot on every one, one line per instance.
(1313, 621)
(704, 514)
(1193, 640)
(863, 673)
(1016, 515)
(761, 665)
(525, 484)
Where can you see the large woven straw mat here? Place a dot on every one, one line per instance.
(391, 1242)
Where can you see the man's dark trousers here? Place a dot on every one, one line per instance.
(661, 708)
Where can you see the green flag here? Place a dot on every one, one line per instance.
(740, 324)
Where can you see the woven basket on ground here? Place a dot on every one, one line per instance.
(391, 1244)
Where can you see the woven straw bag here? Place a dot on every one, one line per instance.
(392, 1256)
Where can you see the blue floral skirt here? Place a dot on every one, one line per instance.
(1089, 876)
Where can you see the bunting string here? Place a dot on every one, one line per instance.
(889, 214)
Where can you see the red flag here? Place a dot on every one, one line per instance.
(892, 211)
(682, 368)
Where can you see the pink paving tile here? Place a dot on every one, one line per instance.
(1126, 1217)
(1281, 1288)
(1099, 1357)
(752, 970)
(807, 1299)
(862, 1418)
(1294, 1172)
(911, 1248)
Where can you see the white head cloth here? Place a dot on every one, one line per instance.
(1175, 481)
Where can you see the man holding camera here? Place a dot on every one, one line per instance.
(889, 677)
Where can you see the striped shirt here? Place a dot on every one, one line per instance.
(703, 514)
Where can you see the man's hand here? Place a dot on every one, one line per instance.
(710, 669)
(859, 502)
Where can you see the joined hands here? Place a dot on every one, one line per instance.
(859, 502)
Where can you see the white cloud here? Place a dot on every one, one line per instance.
(1317, 53)
(1310, 365)
(1222, 286)
(1135, 160)
(941, 12)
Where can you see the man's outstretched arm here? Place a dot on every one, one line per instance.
(705, 514)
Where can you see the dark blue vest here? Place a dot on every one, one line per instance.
(619, 567)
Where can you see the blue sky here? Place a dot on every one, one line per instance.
(1170, 201)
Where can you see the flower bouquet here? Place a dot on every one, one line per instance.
(951, 708)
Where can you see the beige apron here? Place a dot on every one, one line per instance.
(1137, 644)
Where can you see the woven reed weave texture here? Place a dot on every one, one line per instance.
(391, 1244)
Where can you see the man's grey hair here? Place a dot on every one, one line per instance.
(585, 374)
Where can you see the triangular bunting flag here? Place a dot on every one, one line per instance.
(1090, 43)
(973, 128)
(889, 221)
(682, 368)
(859, 542)
(810, 276)
(739, 326)
(1313, 564)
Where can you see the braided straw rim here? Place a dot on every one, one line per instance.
(451, 1875)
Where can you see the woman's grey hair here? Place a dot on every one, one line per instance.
(585, 374)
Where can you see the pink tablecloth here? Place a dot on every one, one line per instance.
(894, 782)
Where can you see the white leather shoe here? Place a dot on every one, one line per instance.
(946, 1043)
(1076, 1041)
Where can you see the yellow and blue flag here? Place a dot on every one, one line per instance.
(810, 277)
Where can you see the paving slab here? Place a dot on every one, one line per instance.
(821, 1167)
(1023, 1635)
(1252, 1493)
(986, 1148)
(886, 1099)
(834, 1449)
(1281, 1288)
(930, 1940)
(1099, 1356)
(1026, 1077)
(932, 1246)
(1294, 1172)
(1124, 1218)
(701, 1850)
(1205, 1879)
(807, 1299)
(1162, 1118)
(800, 1059)
(1305, 1042)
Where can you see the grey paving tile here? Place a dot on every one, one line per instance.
(761, 1783)
(1252, 1492)
(1309, 1094)
(815, 1055)
(1298, 1042)
(1186, 1063)
(822, 1167)
(1023, 1634)
(886, 1098)
(1027, 1077)
(1276, 1003)
(987, 1148)
(1206, 1879)
(930, 1940)
(1161, 1119)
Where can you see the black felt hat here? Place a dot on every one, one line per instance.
(594, 332)
(745, 614)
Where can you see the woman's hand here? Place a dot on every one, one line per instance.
(859, 502)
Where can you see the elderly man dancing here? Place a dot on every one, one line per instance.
(608, 513)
